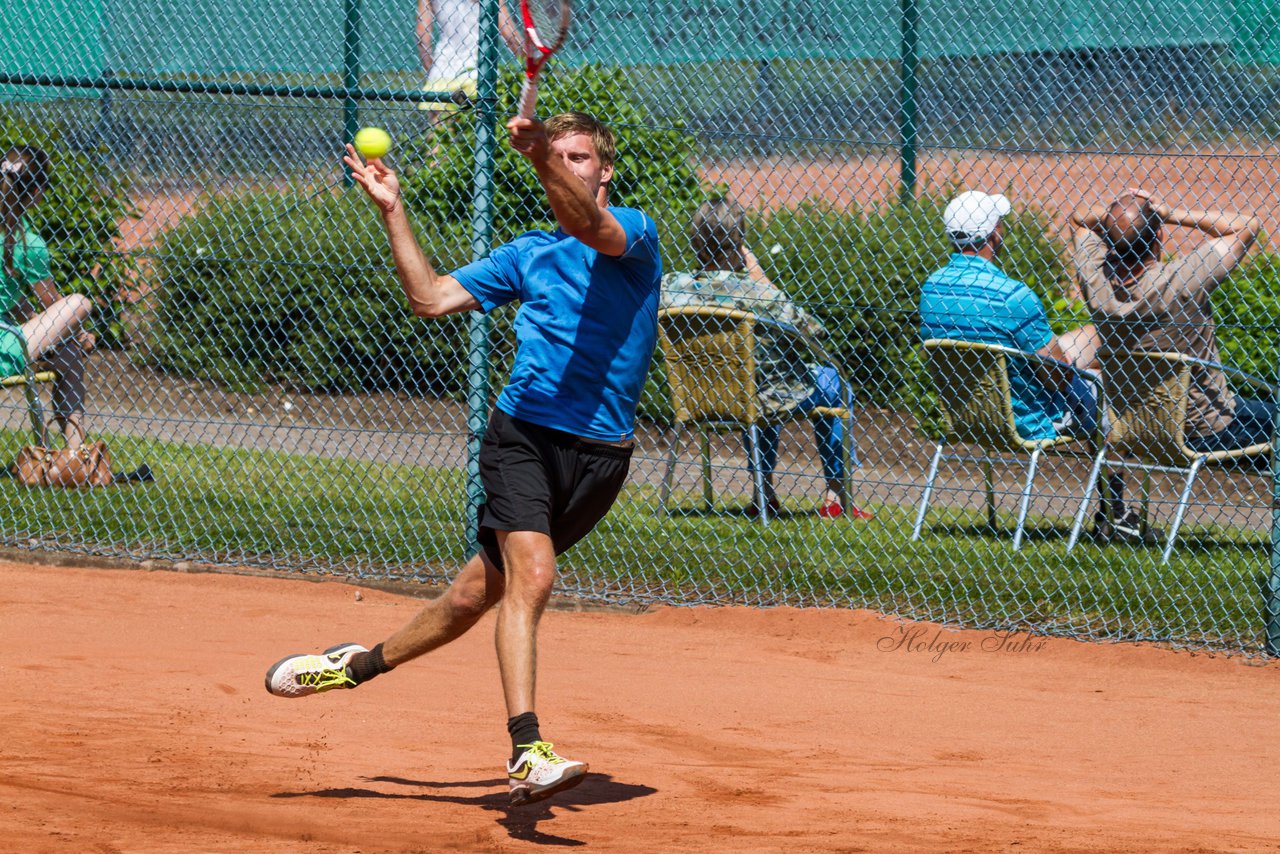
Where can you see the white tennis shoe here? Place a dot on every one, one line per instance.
(539, 773)
(301, 675)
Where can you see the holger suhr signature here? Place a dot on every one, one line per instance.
(930, 641)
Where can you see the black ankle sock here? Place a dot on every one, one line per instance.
(524, 730)
(363, 666)
(1116, 482)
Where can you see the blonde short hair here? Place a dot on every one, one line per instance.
(567, 124)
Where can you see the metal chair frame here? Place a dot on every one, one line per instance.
(1165, 455)
(993, 428)
(30, 381)
(713, 389)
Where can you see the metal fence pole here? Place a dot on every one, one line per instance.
(350, 74)
(105, 130)
(481, 237)
(908, 108)
(1271, 605)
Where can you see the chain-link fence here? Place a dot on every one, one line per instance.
(258, 372)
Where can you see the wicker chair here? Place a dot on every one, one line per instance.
(711, 371)
(29, 380)
(1146, 396)
(972, 381)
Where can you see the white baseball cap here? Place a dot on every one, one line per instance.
(971, 217)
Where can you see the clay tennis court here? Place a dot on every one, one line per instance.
(135, 720)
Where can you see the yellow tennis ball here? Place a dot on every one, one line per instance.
(372, 142)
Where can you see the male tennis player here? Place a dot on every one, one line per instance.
(558, 444)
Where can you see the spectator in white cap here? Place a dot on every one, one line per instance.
(971, 299)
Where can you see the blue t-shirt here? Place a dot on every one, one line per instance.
(971, 299)
(586, 327)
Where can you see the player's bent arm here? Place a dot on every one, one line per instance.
(1216, 223)
(1233, 233)
(577, 211)
(430, 294)
(426, 20)
(1081, 231)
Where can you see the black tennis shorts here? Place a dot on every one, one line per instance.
(544, 480)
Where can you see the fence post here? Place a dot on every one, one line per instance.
(350, 75)
(908, 108)
(1271, 606)
(105, 130)
(479, 345)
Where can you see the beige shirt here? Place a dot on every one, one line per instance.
(1165, 310)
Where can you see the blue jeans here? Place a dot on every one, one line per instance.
(1252, 425)
(829, 431)
(1081, 400)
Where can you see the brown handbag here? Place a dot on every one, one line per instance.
(88, 465)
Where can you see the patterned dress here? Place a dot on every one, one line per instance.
(784, 363)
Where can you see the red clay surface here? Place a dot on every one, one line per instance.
(135, 720)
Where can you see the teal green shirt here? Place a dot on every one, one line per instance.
(970, 299)
(29, 264)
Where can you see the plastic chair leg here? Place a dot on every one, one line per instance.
(989, 483)
(928, 491)
(35, 409)
(669, 476)
(1089, 487)
(762, 502)
(1025, 503)
(1182, 507)
(708, 498)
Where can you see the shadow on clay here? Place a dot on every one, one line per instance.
(520, 822)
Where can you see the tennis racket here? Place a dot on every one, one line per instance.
(546, 24)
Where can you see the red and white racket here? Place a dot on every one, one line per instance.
(546, 24)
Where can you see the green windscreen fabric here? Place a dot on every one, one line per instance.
(226, 37)
(1257, 27)
(223, 37)
(665, 31)
(59, 38)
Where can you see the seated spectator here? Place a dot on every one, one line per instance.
(971, 299)
(729, 275)
(51, 324)
(1142, 303)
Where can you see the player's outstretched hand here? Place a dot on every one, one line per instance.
(378, 181)
(528, 137)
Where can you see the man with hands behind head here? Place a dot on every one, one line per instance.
(558, 443)
(972, 299)
(1141, 302)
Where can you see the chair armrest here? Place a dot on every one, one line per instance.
(1029, 355)
(811, 343)
(1256, 382)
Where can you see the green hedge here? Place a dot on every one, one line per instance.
(1247, 309)
(272, 288)
(298, 290)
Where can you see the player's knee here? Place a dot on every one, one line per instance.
(469, 600)
(532, 578)
(77, 307)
